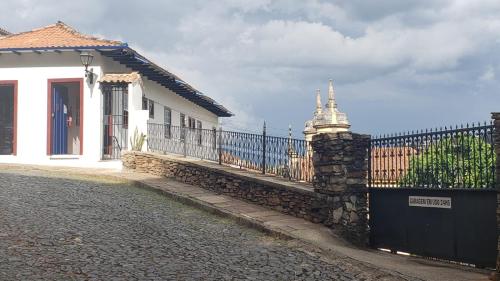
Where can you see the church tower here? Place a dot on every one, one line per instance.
(327, 120)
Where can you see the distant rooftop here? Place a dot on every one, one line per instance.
(4, 32)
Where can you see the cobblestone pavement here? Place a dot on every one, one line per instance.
(55, 228)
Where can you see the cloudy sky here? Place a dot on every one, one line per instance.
(397, 65)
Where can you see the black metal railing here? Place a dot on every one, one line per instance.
(115, 119)
(243, 150)
(199, 143)
(446, 158)
(286, 157)
(115, 136)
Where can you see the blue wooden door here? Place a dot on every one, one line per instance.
(59, 120)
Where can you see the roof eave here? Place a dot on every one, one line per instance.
(153, 72)
(74, 48)
(194, 95)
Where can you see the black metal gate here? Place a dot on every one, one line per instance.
(115, 120)
(432, 194)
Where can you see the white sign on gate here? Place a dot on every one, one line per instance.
(429, 202)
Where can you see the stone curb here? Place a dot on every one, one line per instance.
(193, 202)
(248, 222)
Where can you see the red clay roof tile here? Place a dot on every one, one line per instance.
(120, 77)
(53, 36)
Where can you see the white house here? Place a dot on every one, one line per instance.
(72, 99)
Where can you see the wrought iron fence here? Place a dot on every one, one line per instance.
(115, 136)
(199, 143)
(290, 158)
(286, 157)
(446, 158)
(115, 120)
(242, 149)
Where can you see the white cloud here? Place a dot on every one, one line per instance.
(264, 58)
(488, 74)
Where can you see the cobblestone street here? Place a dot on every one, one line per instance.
(54, 228)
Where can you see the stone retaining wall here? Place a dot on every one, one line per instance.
(338, 199)
(299, 202)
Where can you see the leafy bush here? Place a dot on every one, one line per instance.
(459, 161)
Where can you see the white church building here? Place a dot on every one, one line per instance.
(75, 100)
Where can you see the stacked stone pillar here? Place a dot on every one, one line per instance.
(341, 170)
(496, 137)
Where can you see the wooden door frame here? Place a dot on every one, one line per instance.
(13, 83)
(50, 84)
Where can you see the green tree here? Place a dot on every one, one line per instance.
(461, 161)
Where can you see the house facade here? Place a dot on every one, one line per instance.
(72, 99)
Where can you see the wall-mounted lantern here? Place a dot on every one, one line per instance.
(87, 58)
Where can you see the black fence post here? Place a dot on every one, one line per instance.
(264, 149)
(220, 145)
(496, 178)
(370, 163)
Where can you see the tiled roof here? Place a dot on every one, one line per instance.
(61, 36)
(53, 36)
(120, 77)
(390, 164)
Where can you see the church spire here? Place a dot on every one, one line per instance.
(326, 120)
(318, 102)
(331, 105)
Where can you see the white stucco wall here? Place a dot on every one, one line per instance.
(163, 97)
(138, 118)
(32, 71)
